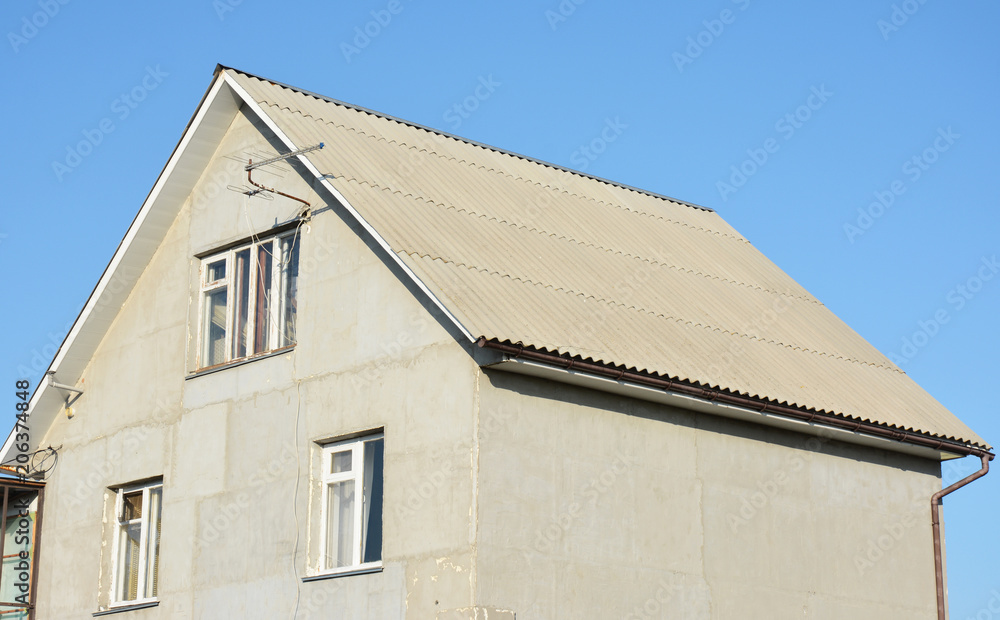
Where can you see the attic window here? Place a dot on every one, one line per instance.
(248, 300)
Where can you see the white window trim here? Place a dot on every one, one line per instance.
(211, 287)
(143, 569)
(279, 287)
(357, 474)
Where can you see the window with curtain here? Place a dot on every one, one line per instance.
(248, 300)
(351, 506)
(137, 543)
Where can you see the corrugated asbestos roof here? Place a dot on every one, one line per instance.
(525, 252)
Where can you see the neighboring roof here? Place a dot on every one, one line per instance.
(517, 250)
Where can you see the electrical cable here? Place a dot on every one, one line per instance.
(295, 494)
(255, 242)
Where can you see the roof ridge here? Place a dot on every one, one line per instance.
(472, 142)
(431, 151)
(488, 271)
(608, 250)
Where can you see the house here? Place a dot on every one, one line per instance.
(343, 366)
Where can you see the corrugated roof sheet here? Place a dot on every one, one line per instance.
(526, 252)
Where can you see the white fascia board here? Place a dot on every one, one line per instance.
(690, 403)
(136, 226)
(47, 407)
(253, 105)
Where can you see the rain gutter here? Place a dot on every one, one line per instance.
(749, 402)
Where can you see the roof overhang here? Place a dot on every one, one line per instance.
(573, 372)
(690, 403)
(201, 137)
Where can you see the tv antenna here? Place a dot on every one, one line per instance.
(251, 166)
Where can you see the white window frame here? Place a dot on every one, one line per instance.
(144, 540)
(356, 446)
(278, 290)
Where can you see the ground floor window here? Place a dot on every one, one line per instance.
(351, 513)
(137, 542)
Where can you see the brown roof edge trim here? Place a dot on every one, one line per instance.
(403, 121)
(748, 402)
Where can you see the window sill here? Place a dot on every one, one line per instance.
(346, 573)
(123, 608)
(201, 372)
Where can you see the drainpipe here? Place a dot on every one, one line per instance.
(942, 597)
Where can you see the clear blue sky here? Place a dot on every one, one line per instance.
(905, 110)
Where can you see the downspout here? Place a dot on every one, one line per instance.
(942, 598)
